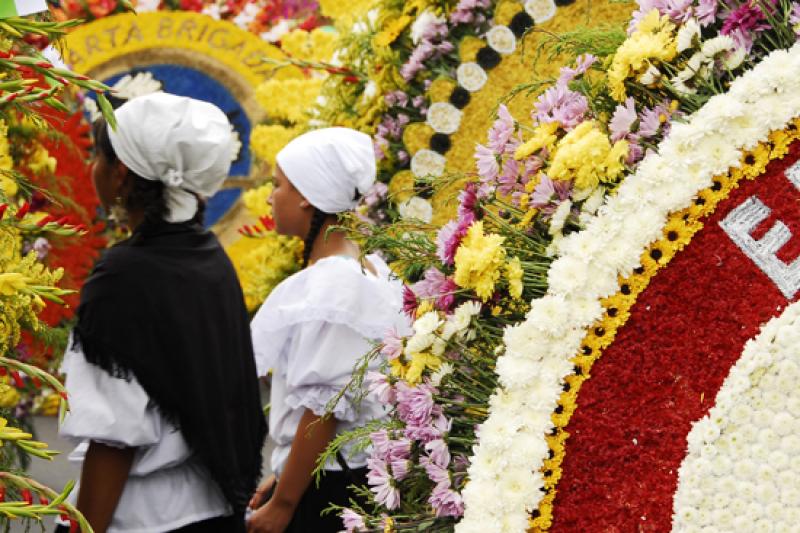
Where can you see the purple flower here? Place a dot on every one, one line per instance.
(645, 7)
(415, 404)
(582, 64)
(635, 153)
(549, 192)
(398, 449)
(392, 344)
(430, 286)
(650, 121)
(488, 168)
(438, 426)
(400, 469)
(743, 22)
(447, 300)
(376, 193)
(706, 12)
(794, 17)
(508, 181)
(502, 130)
(380, 387)
(562, 105)
(352, 521)
(446, 502)
(623, 119)
(378, 145)
(436, 473)
(399, 98)
(402, 157)
(381, 484)
(438, 452)
(449, 239)
(468, 201)
(409, 302)
(418, 101)
(678, 10)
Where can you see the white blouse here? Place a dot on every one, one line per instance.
(166, 488)
(311, 331)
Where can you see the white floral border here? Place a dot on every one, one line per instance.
(747, 449)
(505, 481)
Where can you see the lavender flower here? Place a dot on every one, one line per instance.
(376, 193)
(561, 104)
(430, 286)
(438, 452)
(706, 12)
(488, 168)
(449, 239)
(582, 64)
(622, 120)
(743, 22)
(381, 484)
(446, 502)
(415, 405)
(501, 131)
(352, 521)
(380, 387)
(549, 193)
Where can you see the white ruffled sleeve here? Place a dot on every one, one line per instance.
(106, 409)
(320, 363)
(335, 290)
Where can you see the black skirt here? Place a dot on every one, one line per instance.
(333, 488)
(219, 524)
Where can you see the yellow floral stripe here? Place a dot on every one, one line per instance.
(678, 232)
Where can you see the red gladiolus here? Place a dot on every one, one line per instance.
(268, 223)
(3, 208)
(27, 496)
(22, 211)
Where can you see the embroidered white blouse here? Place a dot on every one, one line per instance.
(311, 331)
(166, 488)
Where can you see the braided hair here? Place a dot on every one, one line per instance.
(317, 221)
(147, 195)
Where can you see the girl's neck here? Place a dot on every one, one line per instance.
(333, 243)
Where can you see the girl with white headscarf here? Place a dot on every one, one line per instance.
(313, 329)
(160, 372)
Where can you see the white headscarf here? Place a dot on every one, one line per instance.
(183, 142)
(330, 166)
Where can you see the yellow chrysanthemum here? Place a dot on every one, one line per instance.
(653, 41)
(419, 363)
(263, 263)
(289, 99)
(40, 161)
(514, 275)
(392, 30)
(543, 137)
(479, 260)
(317, 45)
(417, 136)
(337, 10)
(267, 140)
(468, 48)
(401, 186)
(257, 201)
(586, 155)
(441, 89)
(505, 11)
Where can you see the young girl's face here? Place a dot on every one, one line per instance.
(291, 211)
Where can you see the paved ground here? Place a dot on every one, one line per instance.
(55, 474)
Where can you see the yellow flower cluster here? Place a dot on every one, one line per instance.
(479, 261)
(514, 275)
(586, 155)
(289, 99)
(262, 263)
(19, 306)
(40, 161)
(338, 10)
(543, 137)
(652, 42)
(316, 46)
(8, 187)
(266, 140)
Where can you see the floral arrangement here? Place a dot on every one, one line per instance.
(30, 91)
(622, 135)
(269, 19)
(262, 258)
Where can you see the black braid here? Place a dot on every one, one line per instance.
(317, 221)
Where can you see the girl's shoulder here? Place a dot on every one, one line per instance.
(336, 289)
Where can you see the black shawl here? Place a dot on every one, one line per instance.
(166, 306)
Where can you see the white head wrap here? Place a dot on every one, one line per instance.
(330, 166)
(183, 142)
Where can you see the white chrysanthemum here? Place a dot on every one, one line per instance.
(277, 31)
(502, 40)
(424, 20)
(427, 323)
(541, 10)
(444, 117)
(560, 217)
(419, 343)
(463, 314)
(416, 208)
(718, 45)
(427, 163)
(445, 369)
(687, 35)
(471, 76)
(139, 84)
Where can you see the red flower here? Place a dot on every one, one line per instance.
(102, 8)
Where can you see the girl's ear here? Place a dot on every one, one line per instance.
(121, 179)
